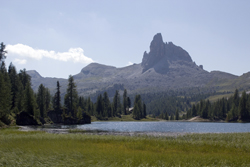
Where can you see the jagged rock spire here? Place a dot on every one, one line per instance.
(163, 53)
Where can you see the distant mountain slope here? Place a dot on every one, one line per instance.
(165, 67)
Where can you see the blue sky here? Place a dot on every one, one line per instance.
(58, 38)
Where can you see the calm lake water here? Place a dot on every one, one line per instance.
(188, 127)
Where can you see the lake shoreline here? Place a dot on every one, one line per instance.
(103, 133)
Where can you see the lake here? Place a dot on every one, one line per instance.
(186, 127)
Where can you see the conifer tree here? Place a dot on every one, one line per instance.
(106, 105)
(232, 114)
(79, 113)
(177, 114)
(172, 116)
(236, 98)
(47, 100)
(166, 116)
(138, 108)
(242, 110)
(89, 106)
(16, 87)
(57, 98)
(204, 112)
(129, 102)
(41, 100)
(2, 52)
(136, 112)
(24, 78)
(6, 90)
(194, 111)
(3, 108)
(125, 102)
(99, 106)
(71, 97)
(116, 104)
(81, 102)
(248, 107)
(30, 105)
(144, 110)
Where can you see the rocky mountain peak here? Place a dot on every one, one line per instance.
(163, 54)
(157, 41)
(34, 74)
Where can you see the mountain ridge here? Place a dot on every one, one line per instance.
(165, 67)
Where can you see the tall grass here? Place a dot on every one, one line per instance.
(43, 149)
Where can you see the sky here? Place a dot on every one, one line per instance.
(58, 38)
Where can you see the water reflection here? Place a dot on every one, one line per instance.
(188, 127)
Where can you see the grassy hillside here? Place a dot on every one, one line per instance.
(230, 84)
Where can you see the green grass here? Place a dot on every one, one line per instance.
(43, 149)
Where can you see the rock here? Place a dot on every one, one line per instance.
(24, 118)
(162, 55)
(157, 52)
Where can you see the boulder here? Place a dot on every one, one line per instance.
(24, 118)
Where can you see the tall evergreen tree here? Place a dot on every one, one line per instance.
(41, 100)
(99, 106)
(106, 105)
(232, 114)
(144, 110)
(236, 98)
(116, 104)
(242, 109)
(4, 109)
(57, 98)
(71, 96)
(2, 52)
(16, 87)
(47, 100)
(24, 78)
(248, 107)
(166, 116)
(172, 116)
(30, 105)
(177, 114)
(194, 111)
(136, 112)
(89, 107)
(205, 109)
(138, 108)
(129, 102)
(6, 90)
(125, 102)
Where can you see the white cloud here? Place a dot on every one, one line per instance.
(20, 61)
(74, 54)
(129, 63)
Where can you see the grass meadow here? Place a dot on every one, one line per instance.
(36, 148)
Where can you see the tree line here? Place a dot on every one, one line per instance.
(234, 108)
(16, 96)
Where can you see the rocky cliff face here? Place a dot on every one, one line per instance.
(163, 54)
